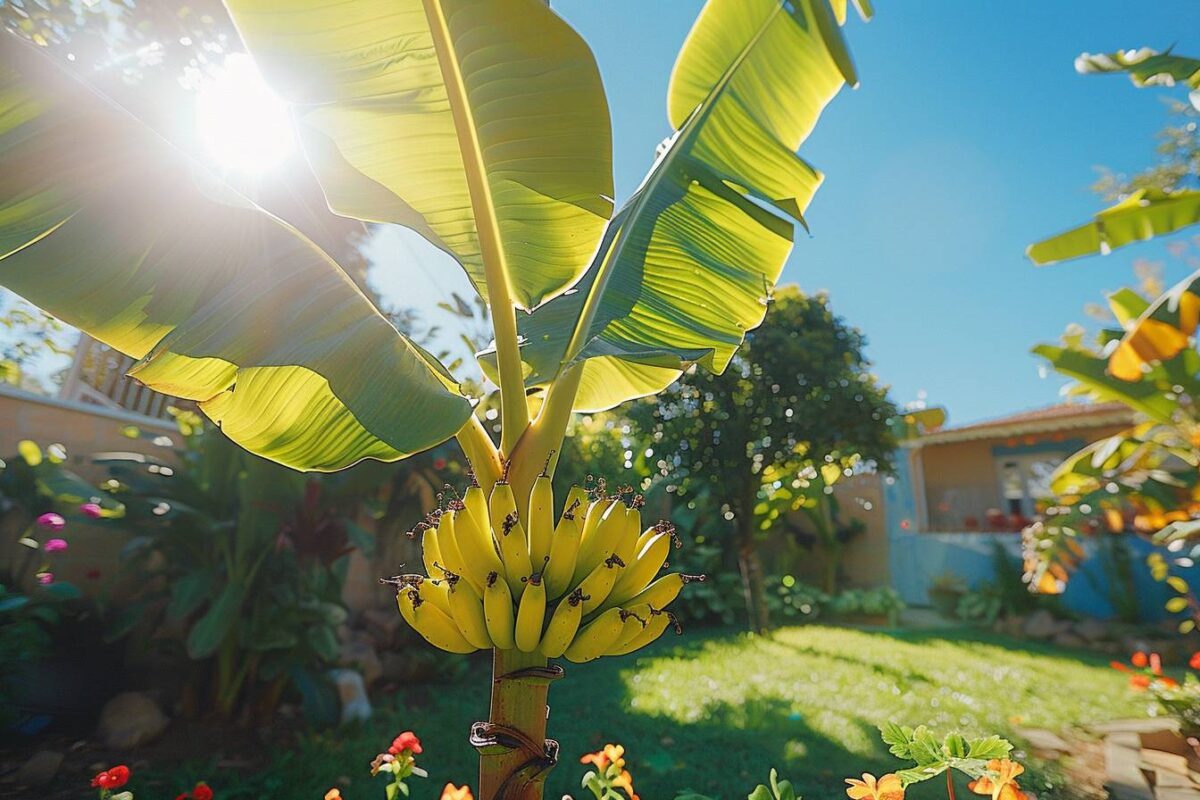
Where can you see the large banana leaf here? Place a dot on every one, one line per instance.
(1149, 395)
(1161, 332)
(482, 125)
(105, 225)
(1145, 67)
(685, 267)
(1143, 215)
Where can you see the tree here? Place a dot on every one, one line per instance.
(483, 125)
(796, 404)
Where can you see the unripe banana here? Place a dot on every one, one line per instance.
(597, 636)
(660, 593)
(646, 564)
(498, 612)
(431, 623)
(510, 534)
(635, 623)
(595, 512)
(600, 581)
(602, 542)
(466, 609)
(564, 551)
(531, 614)
(564, 623)
(541, 519)
(655, 626)
(475, 547)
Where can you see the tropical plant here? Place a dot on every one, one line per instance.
(1158, 202)
(483, 126)
(798, 410)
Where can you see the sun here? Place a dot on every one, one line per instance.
(240, 122)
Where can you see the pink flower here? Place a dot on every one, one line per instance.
(92, 510)
(51, 521)
(45, 578)
(55, 545)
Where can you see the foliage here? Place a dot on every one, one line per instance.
(794, 601)
(1169, 697)
(767, 436)
(875, 602)
(246, 558)
(931, 756)
(29, 337)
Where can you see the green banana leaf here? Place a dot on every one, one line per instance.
(687, 264)
(1143, 215)
(108, 227)
(1144, 66)
(483, 126)
(1145, 396)
(1161, 331)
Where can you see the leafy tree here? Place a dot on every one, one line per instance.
(797, 403)
(485, 128)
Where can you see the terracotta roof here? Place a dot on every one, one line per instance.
(1050, 419)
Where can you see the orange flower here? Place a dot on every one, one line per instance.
(1139, 659)
(1194, 661)
(1001, 782)
(333, 794)
(611, 754)
(886, 788)
(451, 792)
(625, 781)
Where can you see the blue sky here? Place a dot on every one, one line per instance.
(970, 137)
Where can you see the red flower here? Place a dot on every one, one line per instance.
(201, 791)
(1194, 661)
(111, 778)
(439, 463)
(405, 741)
(1139, 659)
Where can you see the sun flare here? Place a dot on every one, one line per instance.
(241, 123)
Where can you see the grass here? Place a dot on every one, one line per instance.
(714, 711)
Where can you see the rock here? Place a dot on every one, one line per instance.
(1046, 744)
(1069, 638)
(382, 625)
(352, 693)
(40, 769)
(1041, 624)
(1009, 626)
(1091, 629)
(130, 719)
(362, 657)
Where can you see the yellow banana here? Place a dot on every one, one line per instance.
(646, 564)
(660, 593)
(430, 622)
(477, 505)
(635, 623)
(602, 542)
(599, 582)
(466, 609)
(597, 636)
(564, 550)
(453, 559)
(531, 614)
(475, 546)
(510, 534)
(498, 612)
(541, 519)
(437, 592)
(655, 625)
(564, 623)
(431, 554)
(626, 542)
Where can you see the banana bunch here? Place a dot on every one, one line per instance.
(583, 587)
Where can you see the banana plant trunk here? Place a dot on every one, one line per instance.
(514, 754)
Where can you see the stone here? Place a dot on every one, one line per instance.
(1045, 743)
(1069, 638)
(1123, 777)
(130, 719)
(1092, 629)
(1041, 624)
(361, 656)
(352, 693)
(40, 769)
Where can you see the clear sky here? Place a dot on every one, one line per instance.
(970, 137)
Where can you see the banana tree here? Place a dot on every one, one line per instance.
(482, 125)
(1147, 212)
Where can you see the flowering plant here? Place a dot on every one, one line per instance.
(609, 774)
(108, 780)
(1169, 697)
(400, 763)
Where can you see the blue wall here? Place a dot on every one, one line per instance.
(915, 559)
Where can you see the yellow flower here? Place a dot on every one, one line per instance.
(611, 754)
(333, 794)
(625, 781)
(886, 788)
(454, 793)
(1001, 783)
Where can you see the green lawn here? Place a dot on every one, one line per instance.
(714, 711)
